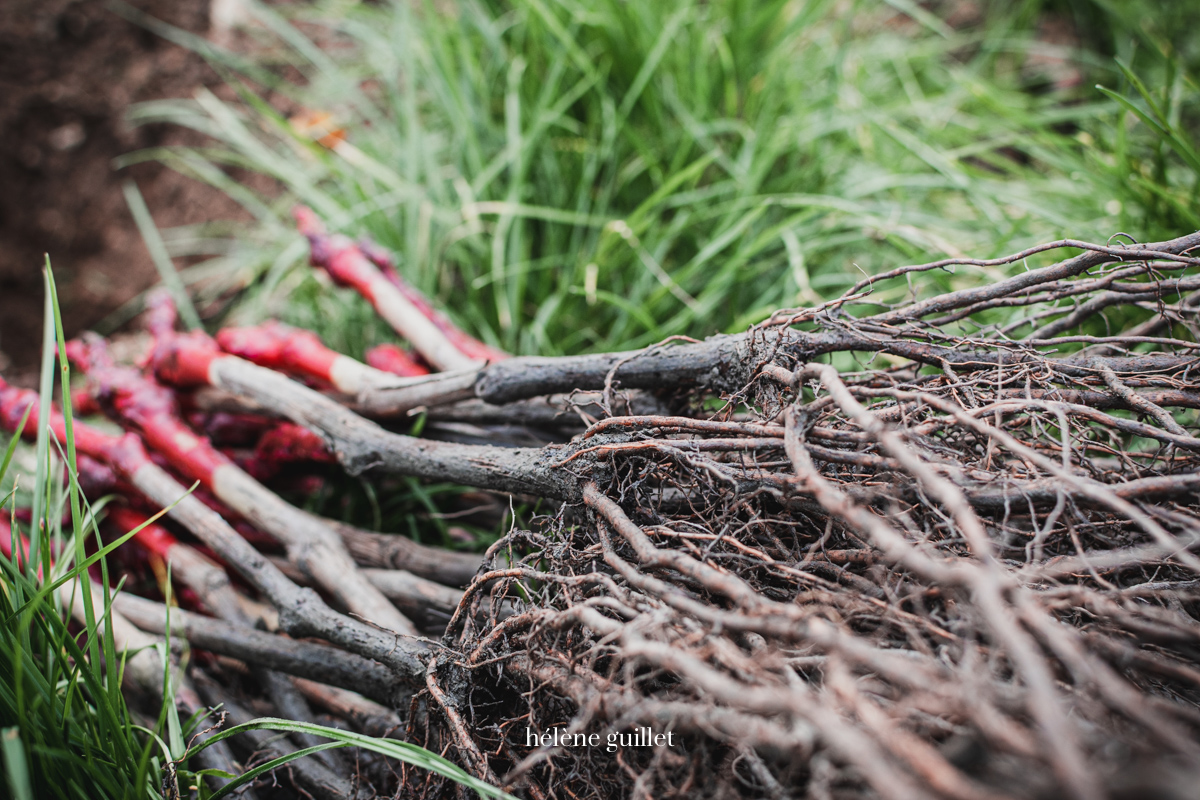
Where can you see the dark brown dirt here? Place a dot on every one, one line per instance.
(69, 72)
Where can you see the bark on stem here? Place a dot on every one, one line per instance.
(310, 773)
(313, 546)
(358, 443)
(302, 612)
(310, 660)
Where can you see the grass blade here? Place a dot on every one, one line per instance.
(401, 751)
(15, 768)
(160, 256)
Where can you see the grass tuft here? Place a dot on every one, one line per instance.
(67, 731)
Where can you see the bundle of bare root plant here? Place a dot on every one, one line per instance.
(861, 550)
(968, 572)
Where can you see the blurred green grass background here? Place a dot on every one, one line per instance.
(569, 176)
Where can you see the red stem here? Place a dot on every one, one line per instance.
(6, 546)
(226, 429)
(356, 265)
(395, 359)
(281, 347)
(124, 454)
(150, 407)
(288, 442)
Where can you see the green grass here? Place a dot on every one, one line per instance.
(568, 177)
(66, 730)
(401, 751)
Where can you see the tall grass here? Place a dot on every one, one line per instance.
(567, 176)
(66, 729)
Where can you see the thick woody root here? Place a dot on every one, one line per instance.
(965, 575)
(301, 354)
(970, 572)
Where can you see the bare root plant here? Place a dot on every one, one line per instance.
(968, 572)
(967, 569)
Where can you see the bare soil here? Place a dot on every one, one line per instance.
(69, 72)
